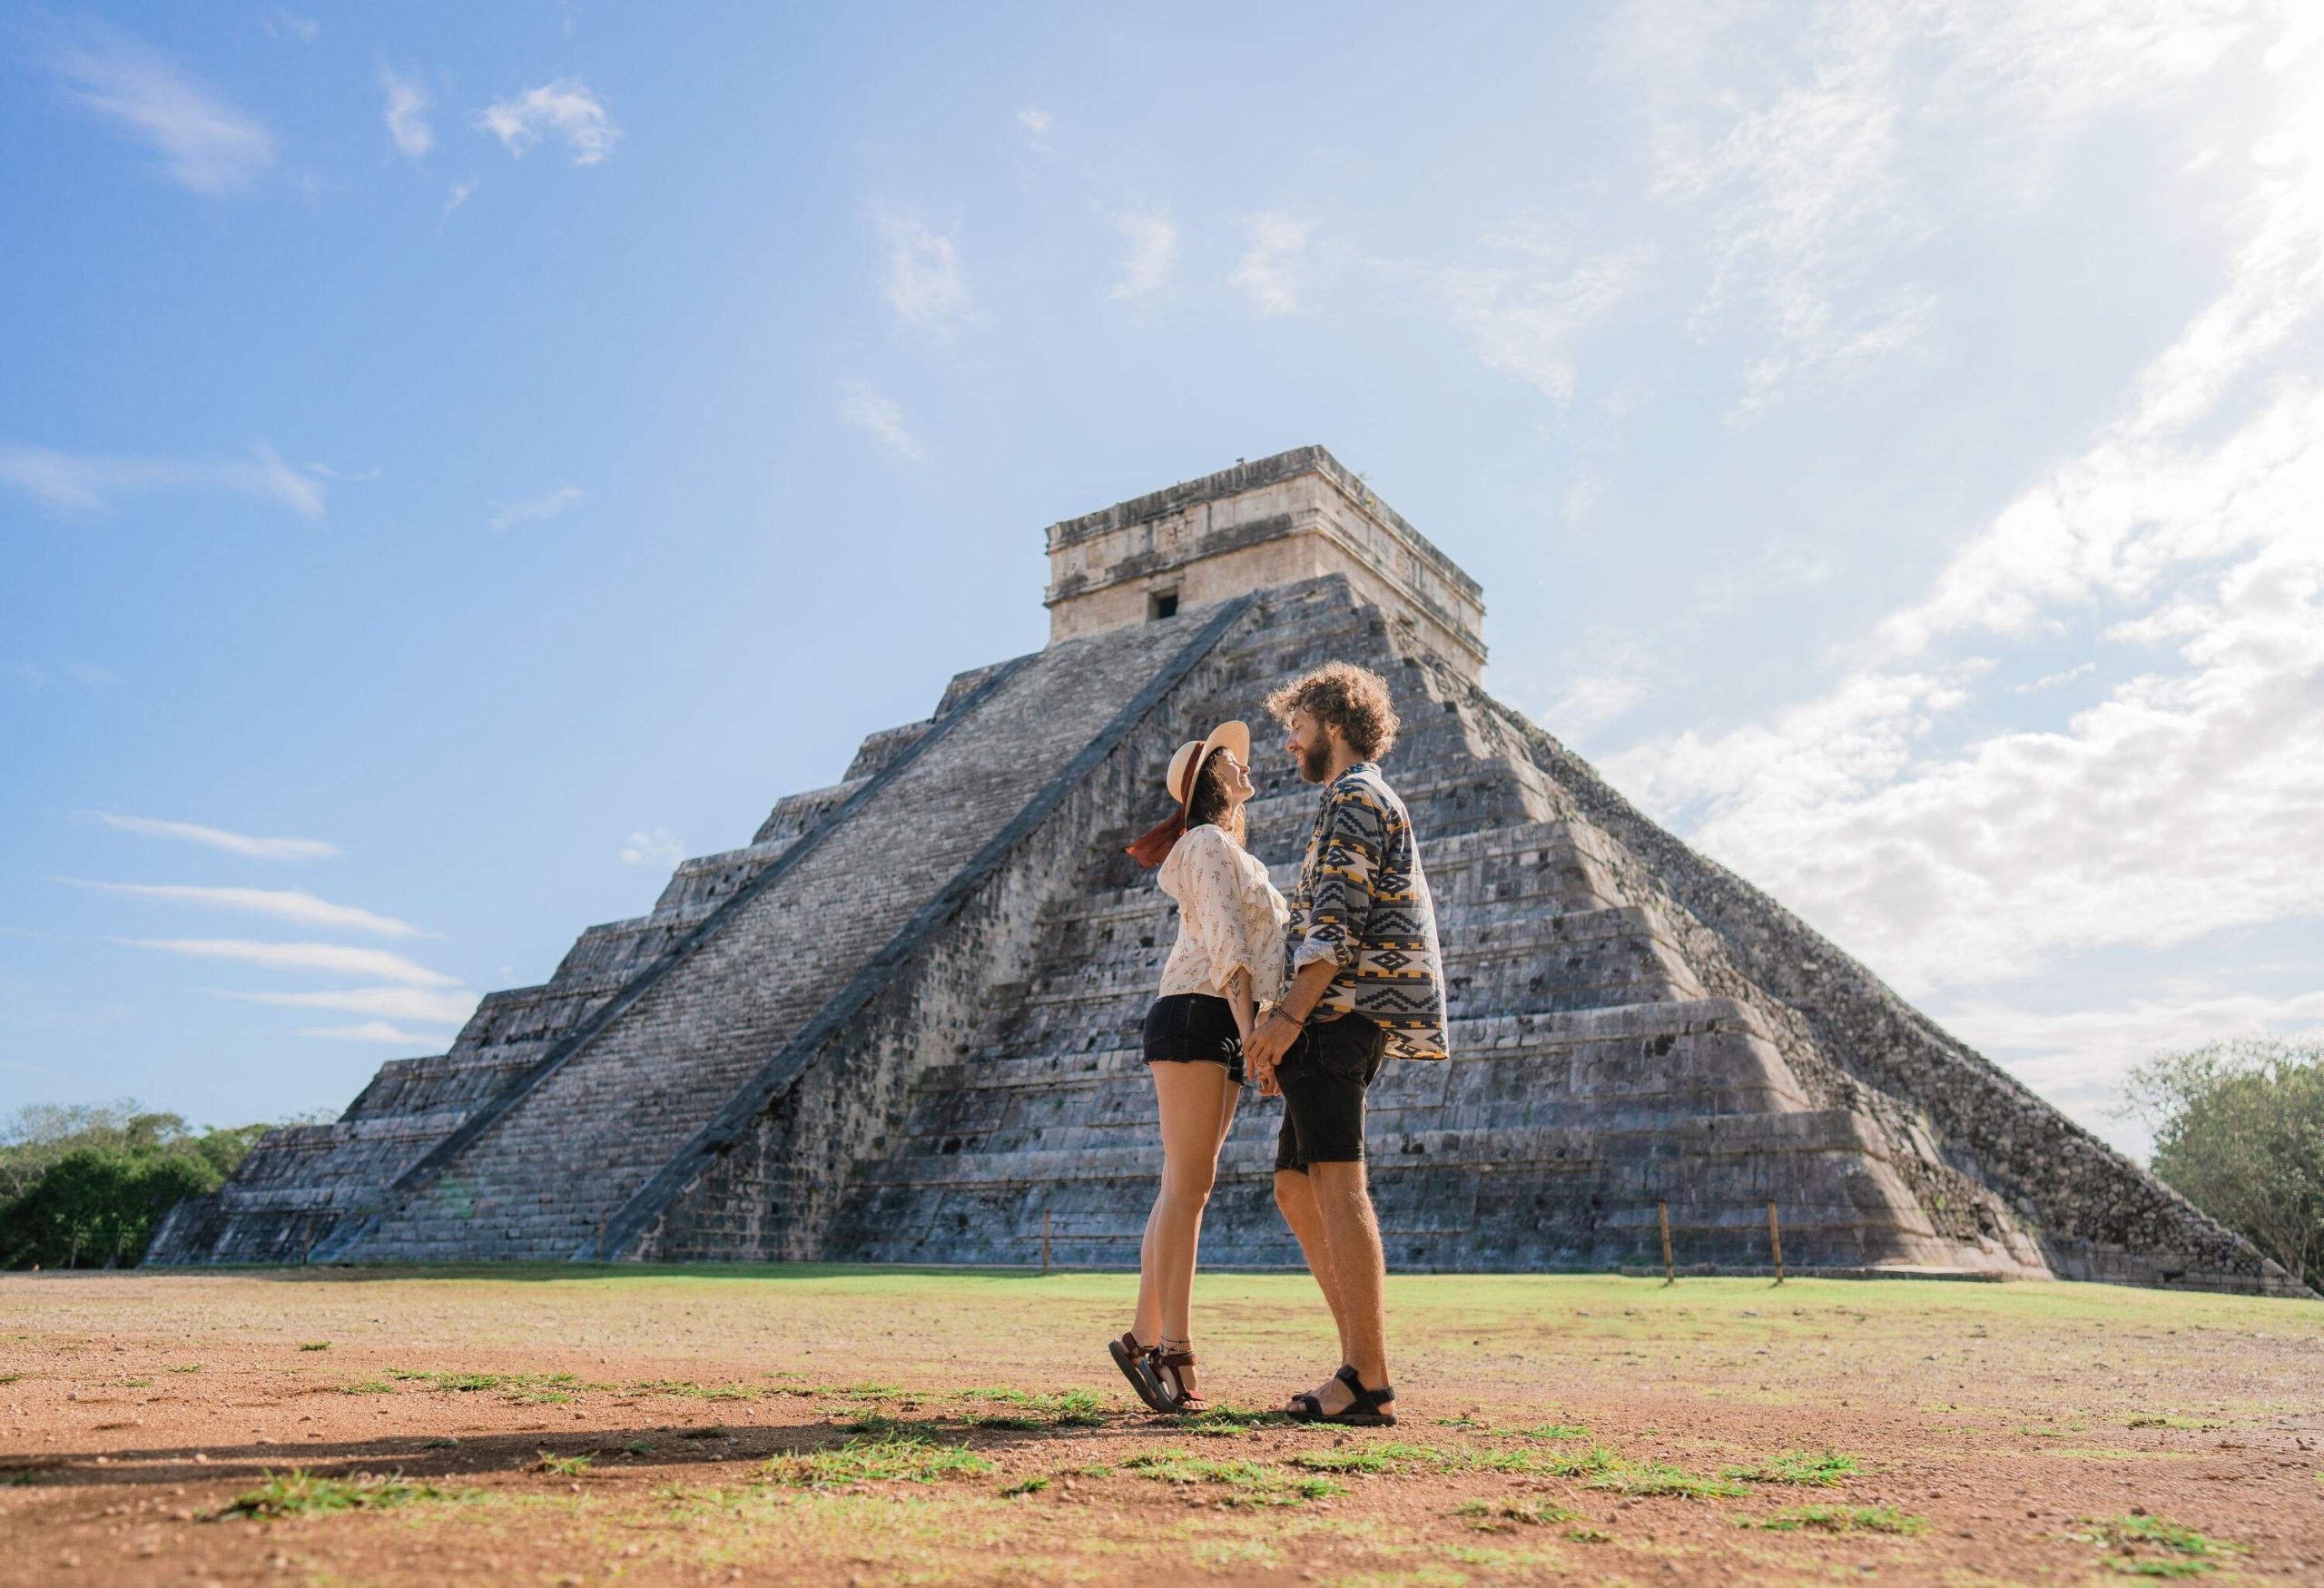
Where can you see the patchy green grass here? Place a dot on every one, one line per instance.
(520, 1388)
(1223, 1422)
(439, 1444)
(895, 1458)
(1838, 1519)
(1800, 1469)
(563, 1466)
(1073, 1408)
(2151, 1546)
(298, 1492)
(1247, 1482)
(1024, 1486)
(367, 1386)
(1656, 1477)
(1506, 1515)
(314, 1345)
(1538, 1431)
(173, 1368)
(1370, 1458)
(688, 1388)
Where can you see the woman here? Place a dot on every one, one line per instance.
(1228, 957)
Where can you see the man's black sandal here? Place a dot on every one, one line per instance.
(1363, 1412)
(1136, 1363)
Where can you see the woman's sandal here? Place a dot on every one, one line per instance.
(1136, 1363)
(1363, 1412)
(1183, 1401)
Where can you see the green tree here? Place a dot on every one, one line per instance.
(99, 1206)
(2239, 1132)
(87, 1184)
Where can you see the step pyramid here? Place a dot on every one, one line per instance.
(902, 1024)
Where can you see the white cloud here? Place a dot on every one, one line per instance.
(205, 144)
(240, 844)
(423, 1005)
(1820, 141)
(92, 482)
(1955, 854)
(460, 194)
(407, 113)
(1523, 304)
(660, 849)
(370, 1031)
(547, 505)
(564, 108)
(923, 286)
(282, 24)
(1036, 122)
(876, 416)
(1272, 269)
(2078, 1058)
(283, 905)
(300, 956)
(1152, 255)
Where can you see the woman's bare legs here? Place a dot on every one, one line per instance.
(1198, 1106)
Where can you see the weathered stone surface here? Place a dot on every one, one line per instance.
(901, 1023)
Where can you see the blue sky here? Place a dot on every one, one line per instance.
(456, 460)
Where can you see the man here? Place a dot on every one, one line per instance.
(1366, 981)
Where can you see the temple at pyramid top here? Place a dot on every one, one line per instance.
(1299, 514)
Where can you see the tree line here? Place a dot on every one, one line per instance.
(86, 1186)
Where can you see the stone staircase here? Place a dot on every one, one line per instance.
(1594, 1073)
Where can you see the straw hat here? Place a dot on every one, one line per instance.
(1154, 845)
(1179, 779)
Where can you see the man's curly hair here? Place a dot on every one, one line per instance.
(1343, 696)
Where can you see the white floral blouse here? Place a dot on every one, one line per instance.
(1229, 917)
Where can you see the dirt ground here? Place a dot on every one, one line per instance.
(881, 1426)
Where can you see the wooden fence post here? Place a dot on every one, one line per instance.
(1775, 1239)
(1045, 1243)
(1670, 1273)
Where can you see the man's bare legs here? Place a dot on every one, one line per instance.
(1197, 1105)
(1329, 1209)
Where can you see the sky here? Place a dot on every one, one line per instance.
(456, 461)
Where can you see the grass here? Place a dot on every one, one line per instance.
(1656, 1477)
(298, 1492)
(690, 1389)
(314, 1345)
(893, 1458)
(1073, 1408)
(1247, 1482)
(1538, 1431)
(179, 1367)
(1838, 1519)
(563, 1466)
(1505, 1515)
(1025, 1487)
(1799, 1468)
(367, 1386)
(1223, 1422)
(2150, 1546)
(521, 1388)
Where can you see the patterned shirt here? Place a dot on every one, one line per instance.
(1362, 902)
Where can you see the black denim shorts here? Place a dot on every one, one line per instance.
(1189, 1027)
(1324, 1077)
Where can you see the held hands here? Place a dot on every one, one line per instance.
(1265, 1047)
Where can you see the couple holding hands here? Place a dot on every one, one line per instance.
(1308, 997)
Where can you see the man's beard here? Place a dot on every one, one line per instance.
(1315, 763)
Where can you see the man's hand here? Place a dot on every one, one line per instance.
(1266, 1047)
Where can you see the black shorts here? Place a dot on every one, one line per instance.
(1193, 1028)
(1324, 1077)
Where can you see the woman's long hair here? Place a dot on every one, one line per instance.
(1210, 806)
